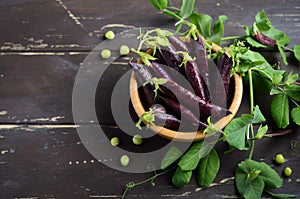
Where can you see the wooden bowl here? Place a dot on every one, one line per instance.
(188, 136)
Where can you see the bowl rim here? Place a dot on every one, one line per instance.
(186, 136)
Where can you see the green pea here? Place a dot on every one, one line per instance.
(110, 35)
(137, 140)
(287, 171)
(124, 160)
(114, 141)
(124, 50)
(105, 54)
(279, 158)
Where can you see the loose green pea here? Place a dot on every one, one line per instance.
(124, 160)
(105, 53)
(137, 140)
(110, 35)
(287, 171)
(114, 141)
(124, 50)
(279, 158)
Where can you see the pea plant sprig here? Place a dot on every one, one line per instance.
(252, 178)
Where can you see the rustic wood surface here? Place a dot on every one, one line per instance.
(42, 46)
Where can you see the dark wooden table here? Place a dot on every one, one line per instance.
(42, 46)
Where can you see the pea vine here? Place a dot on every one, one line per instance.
(252, 178)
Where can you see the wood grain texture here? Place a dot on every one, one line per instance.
(42, 47)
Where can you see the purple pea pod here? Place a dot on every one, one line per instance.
(178, 44)
(170, 57)
(167, 120)
(224, 66)
(262, 38)
(160, 71)
(201, 55)
(179, 110)
(158, 116)
(192, 70)
(192, 101)
(144, 75)
(196, 80)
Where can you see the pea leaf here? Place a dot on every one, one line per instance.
(236, 131)
(203, 23)
(187, 8)
(181, 178)
(297, 51)
(281, 196)
(291, 78)
(218, 29)
(159, 4)
(248, 189)
(172, 14)
(282, 53)
(280, 110)
(262, 130)
(262, 22)
(171, 156)
(208, 168)
(296, 115)
(255, 43)
(252, 177)
(191, 158)
(293, 91)
(258, 117)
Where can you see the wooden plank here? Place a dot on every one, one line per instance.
(40, 26)
(51, 162)
(77, 25)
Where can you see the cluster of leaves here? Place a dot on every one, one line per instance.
(251, 177)
(268, 36)
(276, 82)
(197, 158)
(198, 23)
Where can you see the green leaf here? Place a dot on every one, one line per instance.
(218, 29)
(282, 53)
(277, 79)
(262, 22)
(248, 189)
(262, 130)
(291, 78)
(258, 117)
(171, 156)
(275, 91)
(208, 168)
(172, 14)
(191, 158)
(187, 8)
(297, 51)
(251, 186)
(296, 115)
(181, 178)
(255, 43)
(203, 23)
(281, 196)
(280, 110)
(293, 91)
(159, 4)
(236, 131)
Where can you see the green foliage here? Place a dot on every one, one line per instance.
(181, 178)
(253, 177)
(280, 110)
(171, 156)
(208, 168)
